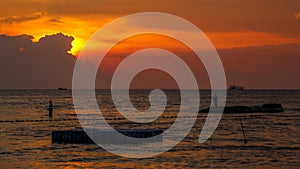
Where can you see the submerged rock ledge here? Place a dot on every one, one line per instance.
(267, 108)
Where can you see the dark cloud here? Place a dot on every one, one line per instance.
(42, 64)
(18, 19)
(55, 20)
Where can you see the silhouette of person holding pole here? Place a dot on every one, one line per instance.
(215, 98)
(50, 109)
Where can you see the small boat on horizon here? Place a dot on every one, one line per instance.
(61, 88)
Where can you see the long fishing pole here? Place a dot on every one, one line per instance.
(245, 139)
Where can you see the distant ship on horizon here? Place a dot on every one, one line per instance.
(236, 87)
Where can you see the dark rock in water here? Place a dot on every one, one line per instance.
(231, 109)
(268, 108)
(75, 136)
(79, 136)
(206, 110)
(273, 107)
(238, 109)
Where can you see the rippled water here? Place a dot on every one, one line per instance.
(273, 138)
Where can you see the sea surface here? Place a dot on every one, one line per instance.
(273, 138)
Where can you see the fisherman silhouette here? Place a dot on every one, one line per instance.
(50, 109)
(215, 98)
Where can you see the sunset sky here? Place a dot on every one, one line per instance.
(258, 41)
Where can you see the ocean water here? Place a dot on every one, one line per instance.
(273, 138)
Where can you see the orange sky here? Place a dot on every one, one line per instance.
(227, 24)
(242, 31)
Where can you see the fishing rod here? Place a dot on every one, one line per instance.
(245, 139)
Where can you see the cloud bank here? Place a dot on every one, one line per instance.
(18, 19)
(42, 64)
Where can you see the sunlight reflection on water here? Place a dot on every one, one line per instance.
(273, 139)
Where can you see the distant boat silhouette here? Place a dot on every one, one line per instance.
(235, 87)
(62, 88)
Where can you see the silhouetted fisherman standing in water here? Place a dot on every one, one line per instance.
(50, 109)
(215, 98)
